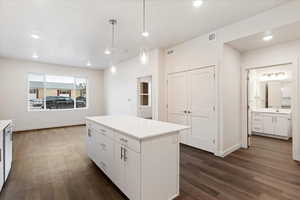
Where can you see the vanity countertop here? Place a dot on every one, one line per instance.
(272, 111)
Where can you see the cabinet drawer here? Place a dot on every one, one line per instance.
(101, 129)
(129, 142)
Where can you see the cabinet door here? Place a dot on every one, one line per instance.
(282, 126)
(8, 151)
(132, 174)
(1, 161)
(107, 152)
(201, 108)
(90, 144)
(119, 167)
(269, 126)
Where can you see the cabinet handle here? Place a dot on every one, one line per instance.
(121, 153)
(125, 154)
(185, 111)
(89, 133)
(189, 112)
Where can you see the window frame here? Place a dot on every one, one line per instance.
(44, 102)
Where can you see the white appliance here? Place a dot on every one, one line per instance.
(7, 150)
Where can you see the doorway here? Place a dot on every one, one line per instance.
(144, 94)
(270, 108)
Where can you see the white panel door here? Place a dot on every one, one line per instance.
(177, 101)
(269, 126)
(180, 119)
(132, 174)
(282, 126)
(201, 109)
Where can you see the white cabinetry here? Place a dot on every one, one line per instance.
(127, 170)
(141, 168)
(272, 124)
(1, 159)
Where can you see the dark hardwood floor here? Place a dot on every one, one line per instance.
(52, 164)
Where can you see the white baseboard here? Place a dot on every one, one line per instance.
(229, 150)
(297, 157)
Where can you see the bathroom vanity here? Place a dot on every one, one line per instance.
(272, 122)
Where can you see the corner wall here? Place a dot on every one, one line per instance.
(230, 103)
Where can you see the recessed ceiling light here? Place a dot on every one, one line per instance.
(145, 34)
(197, 3)
(268, 38)
(107, 52)
(88, 64)
(35, 36)
(35, 56)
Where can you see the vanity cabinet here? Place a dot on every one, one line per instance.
(142, 165)
(272, 124)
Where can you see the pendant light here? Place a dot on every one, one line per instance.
(144, 54)
(113, 23)
(145, 33)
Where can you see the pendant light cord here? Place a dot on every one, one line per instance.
(113, 36)
(144, 15)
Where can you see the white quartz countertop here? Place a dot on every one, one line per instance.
(4, 123)
(272, 110)
(138, 128)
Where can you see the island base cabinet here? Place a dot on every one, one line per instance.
(145, 169)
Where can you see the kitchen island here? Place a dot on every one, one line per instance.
(140, 156)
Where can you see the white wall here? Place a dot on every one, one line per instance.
(280, 53)
(201, 52)
(121, 87)
(230, 108)
(14, 95)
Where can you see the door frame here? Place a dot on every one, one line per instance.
(295, 103)
(151, 94)
(216, 100)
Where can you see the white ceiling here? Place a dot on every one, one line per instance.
(283, 34)
(76, 31)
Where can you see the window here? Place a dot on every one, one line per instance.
(48, 92)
